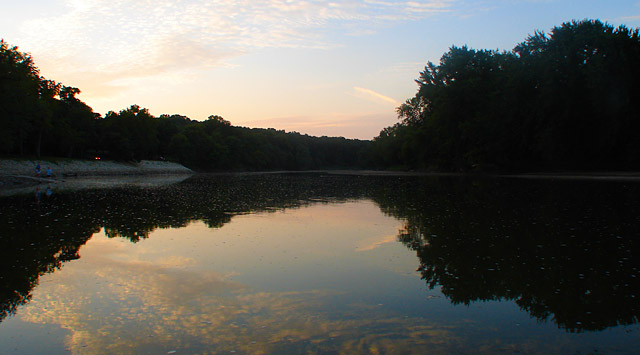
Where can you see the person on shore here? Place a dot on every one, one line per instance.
(49, 172)
(38, 170)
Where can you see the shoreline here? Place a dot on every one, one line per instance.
(577, 175)
(21, 173)
(89, 167)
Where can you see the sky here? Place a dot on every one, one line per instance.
(318, 67)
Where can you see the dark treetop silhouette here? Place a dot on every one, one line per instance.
(566, 100)
(569, 99)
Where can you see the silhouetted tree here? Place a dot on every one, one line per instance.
(567, 100)
(43, 117)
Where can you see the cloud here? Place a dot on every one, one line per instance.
(375, 242)
(112, 303)
(144, 38)
(631, 18)
(415, 8)
(372, 95)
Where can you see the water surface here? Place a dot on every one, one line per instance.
(293, 263)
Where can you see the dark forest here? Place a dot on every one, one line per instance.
(566, 100)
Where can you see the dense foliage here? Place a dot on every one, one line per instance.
(42, 117)
(569, 99)
(36, 112)
(565, 100)
(214, 144)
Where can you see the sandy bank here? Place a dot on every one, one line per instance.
(90, 182)
(90, 167)
(22, 172)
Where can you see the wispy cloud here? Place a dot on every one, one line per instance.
(173, 308)
(376, 242)
(149, 37)
(631, 18)
(375, 96)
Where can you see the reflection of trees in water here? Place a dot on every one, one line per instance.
(38, 236)
(565, 251)
(214, 199)
(36, 239)
(561, 250)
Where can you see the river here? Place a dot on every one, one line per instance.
(322, 263)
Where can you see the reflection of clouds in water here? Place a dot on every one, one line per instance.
(117, 306)
(375, 242)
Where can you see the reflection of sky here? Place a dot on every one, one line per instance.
(267, 249)
(328, 277)
(261, 282)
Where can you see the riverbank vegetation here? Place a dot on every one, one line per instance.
(565, 100)
(569, 99)
(41, 117)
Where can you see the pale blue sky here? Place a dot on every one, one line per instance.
(320, 67)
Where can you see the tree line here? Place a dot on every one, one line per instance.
(569, 99)
(41, 117)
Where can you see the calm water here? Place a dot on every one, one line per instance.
(312, 263)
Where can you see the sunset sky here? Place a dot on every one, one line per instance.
(336, 68)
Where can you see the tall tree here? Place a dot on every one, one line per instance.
(565, 100)
(19, 90)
